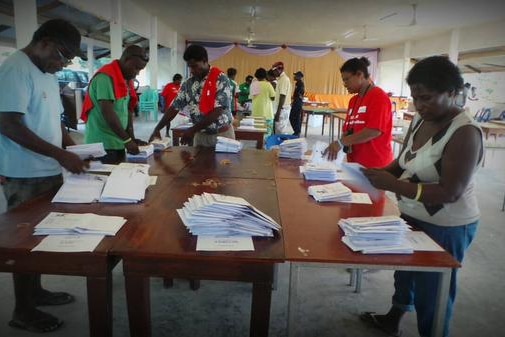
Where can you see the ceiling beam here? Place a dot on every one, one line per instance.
(500, 51)
(48, 7)
(472, 68)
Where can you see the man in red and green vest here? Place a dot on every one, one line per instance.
(207, 96)
(109, 102)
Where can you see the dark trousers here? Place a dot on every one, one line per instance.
(113, 157)
(295, 117)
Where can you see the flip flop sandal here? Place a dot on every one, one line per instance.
(369, 317)
(53, 298)
(45, 324)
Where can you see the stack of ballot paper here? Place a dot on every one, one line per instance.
(376, 235)
(127, 183)
(80, 188)
(160, 144)
(228, 145)
(144, 152)
(293, 148)
(331, 192)
(56, 223)
(69, 232)
(87, 151)
(247, 122)
(326, 171)
(216, 214)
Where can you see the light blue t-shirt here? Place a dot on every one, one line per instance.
(27, 90)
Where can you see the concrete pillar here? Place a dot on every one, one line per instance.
(454, 46)
(25, 20)
(152, 66)
(91, 58)
(407, 47)
(116, 30)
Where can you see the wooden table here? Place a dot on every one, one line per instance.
(313, 239)
(257, 134)
(17, 241)
(318, 111)
(159, 245)
(495, 129)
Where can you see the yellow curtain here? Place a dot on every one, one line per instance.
(321, 74)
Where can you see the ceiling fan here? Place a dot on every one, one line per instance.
(365, 35)
(413, 21)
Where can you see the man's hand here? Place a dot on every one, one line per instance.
(132, 147)
(140, 142)
(332, 151)
(155, 135)
(72, 162)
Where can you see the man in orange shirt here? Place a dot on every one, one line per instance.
(169, 93)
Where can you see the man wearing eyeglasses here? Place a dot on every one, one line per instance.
(31, 146)
(109, 104)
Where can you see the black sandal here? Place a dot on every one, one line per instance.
(369, 317)
(46, 297)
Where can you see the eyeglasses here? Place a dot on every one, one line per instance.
(65, 60)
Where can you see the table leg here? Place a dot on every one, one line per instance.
(292, 299)
(100, 305)
(260, 309)
(259, 142)
(441, 304)
(322, 129)
(332, 125)
(139, 305)
(339, 127)
(306, 123)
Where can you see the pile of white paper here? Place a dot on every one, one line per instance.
(127, 183)
(56, 223)
(318, 155)
(228, 145)
(293, 148)
(80, 188)
(376, 235)
(144, 152)
(87, 151)
(70, 232)
(326, 171)
(247, 122)
(331, 192)
(221, 215)
(160, 144)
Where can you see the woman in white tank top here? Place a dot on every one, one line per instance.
(433, 179)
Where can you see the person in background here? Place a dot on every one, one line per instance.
(433, 178)
(206, 95)
(271, 78)
(262, 98)
(109, 102)
(243, 93)
(295, 115)
(169, 93)
(231, 73)
(31, 141)
(369, 123)
(282, 105)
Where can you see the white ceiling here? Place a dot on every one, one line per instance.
(318, 22)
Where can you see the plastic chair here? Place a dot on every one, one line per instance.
(149, 103)
(275, 140)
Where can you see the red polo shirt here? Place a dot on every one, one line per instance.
(372, 111)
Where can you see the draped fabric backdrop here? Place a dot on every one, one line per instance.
(321, 66)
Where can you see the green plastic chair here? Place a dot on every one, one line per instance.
(149, 104)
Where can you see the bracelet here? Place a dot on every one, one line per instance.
(339, 142)
(126, 141)
(419, 192)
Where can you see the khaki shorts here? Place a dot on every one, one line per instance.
(206, 140)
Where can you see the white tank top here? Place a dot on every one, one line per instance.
(425, 166)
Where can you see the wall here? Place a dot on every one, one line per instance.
(490, 92)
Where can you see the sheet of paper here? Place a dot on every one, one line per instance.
(68, 244)
(224, 243)
(361, 198)
(422, 242)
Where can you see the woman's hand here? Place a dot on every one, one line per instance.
(332, 151)
(380, 179)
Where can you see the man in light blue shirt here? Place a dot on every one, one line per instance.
(31, 141)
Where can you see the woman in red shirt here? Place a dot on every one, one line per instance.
(369, 122)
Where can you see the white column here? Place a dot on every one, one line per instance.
(405, 66)
(25, 20)
(153, 54)
(116, 30)
(454, 46)
(91, 58)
